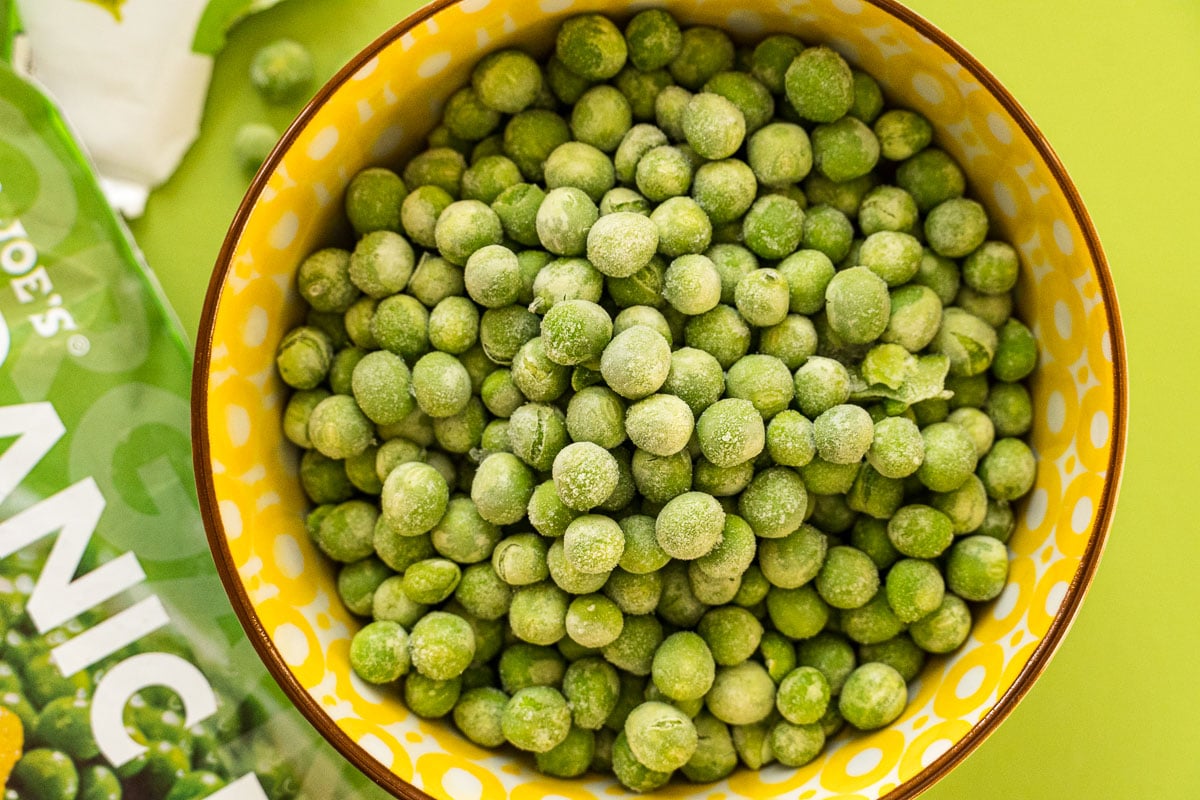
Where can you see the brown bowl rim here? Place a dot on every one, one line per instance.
(915, 785)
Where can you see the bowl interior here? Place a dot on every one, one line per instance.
(378, 111)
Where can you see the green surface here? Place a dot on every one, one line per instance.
(1111, 84)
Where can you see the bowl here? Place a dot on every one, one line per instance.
(376, 110)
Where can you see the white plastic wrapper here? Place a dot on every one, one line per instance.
(131, 76)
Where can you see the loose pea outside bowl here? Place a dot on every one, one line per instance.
(377, 110)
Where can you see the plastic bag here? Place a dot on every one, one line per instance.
(122, 662)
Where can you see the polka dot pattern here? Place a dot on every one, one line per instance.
(378, 116)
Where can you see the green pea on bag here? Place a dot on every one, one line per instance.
(123, 669)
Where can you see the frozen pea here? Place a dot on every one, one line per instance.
(659, 478)
(966, 506)
(594, 620)
(874, 695)
(304, 357)
(324, 280)
(771, 58)
(724, 189)
(939, 274)
(692, 284)
(478, 715)
(502, 488)
(297, 412)
(819, 85)
(915, 587)
(357, 320)
(790, 439)
(668, 111)
(464, 227)
(683, 667)
(282, 71)
(580, 166)
(641, 89)
(955, 227)
(827, 230)
(564, 220)
(773, 226)
(570, 758)
(949, 457)
(831, 654)
(968, 391)
(684, 229)
(441, 645)
(660, 736)
(566, 279)
(483, 593)
(857, 305)
(916, 315)
(517, 207)
(897, 448)
(596, 414)
(461, 432)
(585, 474)
(636, 362)
(731, 633)
(753, 743)
(793, 560)
(522, 665)
(575, 331)
(442, 167)
(999, 522)
(803, 695)
(357, 582)
(720, 332)
(733, 262)
(944, 629)
(547, 513)
(462, 535)
(252, 143)
(689, 525)
(902, 133)
(780, 154)
(634, 593)
(763, 297)
(564, 85)
(660, 424)
(763, 380)
(932, 177)
(870, 536)
(1016, 352)
(713, 125)
(844, 150)
(843, 434)
(466, 116)
(537, 433)
(834, 512)
(591, 687)
(679, 605)
(711, 590)
(745, 92)
(430, 698)
(433, 280)
(536, 719)
(431, 581)
(731, 432)
(530, 137)
(643, 315)
(601, 117)
(994, 309)
(633, 651)
(1008, 470)
(507, 81)
(823, 477)
(891, 255)
(489, 176)
(703, 53)
(341, 371)
(846, 196)
(1010, 408)
(797, 613)
(373, 199)
(621, 199)
(715, 756)
(919, 531)
(807, 273)
(793, 341)
(593, 544)
(796, 745)
(441, 384)
(622, 243)
(500, 395)
(642, 553)
(868, 97)
(637, 142)
(653, 39)
(663, 172)
(978, 426)
(538, 613)
(591, 46)
(539, 379)
(887, 208)
(338, 428)
(741, 694)
(899, 653)
(774, 503)
(520, 560)
(733, 552)
(631, 772)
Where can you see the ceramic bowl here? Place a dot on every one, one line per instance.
(377, 110)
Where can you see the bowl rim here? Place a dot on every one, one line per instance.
(398, 787)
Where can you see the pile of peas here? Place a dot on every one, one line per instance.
(60, 758)
(667, 412)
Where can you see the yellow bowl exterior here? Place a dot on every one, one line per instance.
(378, 113)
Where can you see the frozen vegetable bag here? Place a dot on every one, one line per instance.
(124, 672)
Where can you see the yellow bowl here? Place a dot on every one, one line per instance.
(377, 111)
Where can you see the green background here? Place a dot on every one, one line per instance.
(1112, 85)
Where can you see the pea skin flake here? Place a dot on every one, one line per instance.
(666, 411)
